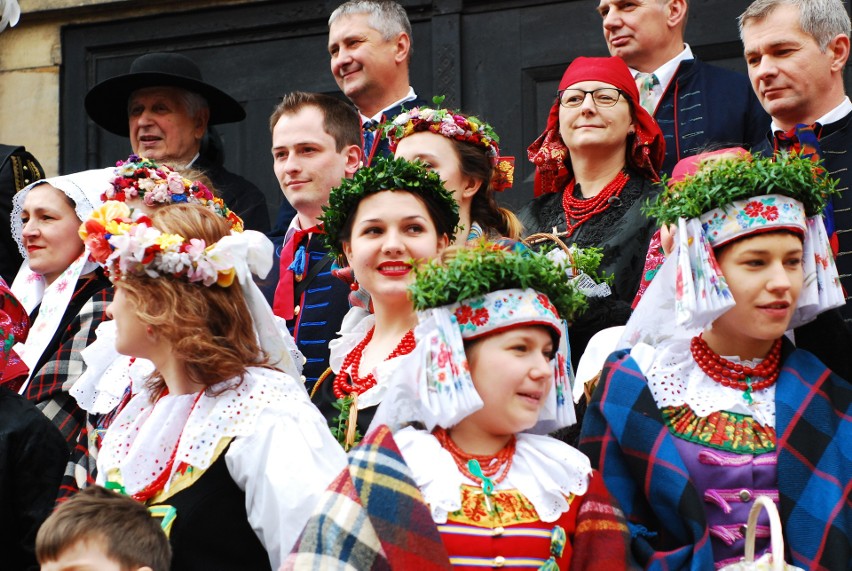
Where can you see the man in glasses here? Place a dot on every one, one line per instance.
(693, 102)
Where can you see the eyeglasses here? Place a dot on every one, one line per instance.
(602, 97)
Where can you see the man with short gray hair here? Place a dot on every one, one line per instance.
(796, 51)
(694, 103)
(369, 42)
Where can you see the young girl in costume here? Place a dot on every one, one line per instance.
(110, 378)
(713, 405)
(383, 221)
(470, 409)
(464, 151)
(222, 440)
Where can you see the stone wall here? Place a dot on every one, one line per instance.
(31, 64)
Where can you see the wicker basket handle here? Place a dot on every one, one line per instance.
(777, 539)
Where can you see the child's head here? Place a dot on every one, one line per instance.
(100, 530)
(493, 339)
(512, 370)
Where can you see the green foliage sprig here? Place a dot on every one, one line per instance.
(720, 183)
(383, 174)
(340, 424)
(474, 272)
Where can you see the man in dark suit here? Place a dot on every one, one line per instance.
(370, 47)
(694, 103)
(798, 77)
(315, 144)
(165, 107)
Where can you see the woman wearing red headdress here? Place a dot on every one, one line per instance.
(596, 163)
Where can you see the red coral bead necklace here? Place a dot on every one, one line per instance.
(352, 364)
(736, 375)
(579, 210)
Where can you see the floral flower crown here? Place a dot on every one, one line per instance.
(719, 184)
(160, 184)
(454, 125)
(383, 174)
(125, 242)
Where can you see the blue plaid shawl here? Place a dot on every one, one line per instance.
(625, 436)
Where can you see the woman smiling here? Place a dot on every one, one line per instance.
(713, 405)
(596, 163)
(65, 294)
(388, 217)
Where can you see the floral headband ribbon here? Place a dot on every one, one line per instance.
(689, 289)
(139, 177)
(512, 289)
(126, 243)
(455, 125)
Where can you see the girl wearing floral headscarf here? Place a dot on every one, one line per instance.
(469, 409)
(712, 405)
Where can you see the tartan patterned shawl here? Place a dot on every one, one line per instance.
(61, 364)
(372, 516)
(627, 440)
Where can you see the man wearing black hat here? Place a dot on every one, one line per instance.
(165, 106)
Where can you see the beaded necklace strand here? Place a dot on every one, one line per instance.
(736, 375)
(352, 364)
(482, 468)
(579, 210)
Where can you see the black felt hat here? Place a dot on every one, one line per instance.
(106, 103)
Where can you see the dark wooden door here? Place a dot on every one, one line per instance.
(499, 59)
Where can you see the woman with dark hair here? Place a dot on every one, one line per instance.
(222, 440)
(596, 164)
(464, 151)
(712, 406)
(64, 292)
(387, 218)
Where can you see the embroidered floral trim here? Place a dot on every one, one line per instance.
(722, 430)
(510, 508)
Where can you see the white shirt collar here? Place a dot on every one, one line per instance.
(378, 116)
(832, 116)
(195, 158)
(666, 72)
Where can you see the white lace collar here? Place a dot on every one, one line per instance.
(676, 379)
(108, 373)
(544, 470)
(144, 434)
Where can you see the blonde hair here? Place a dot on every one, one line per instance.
(210, 328)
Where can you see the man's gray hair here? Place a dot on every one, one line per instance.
(193, 102)
(386, 17)
(823, 20)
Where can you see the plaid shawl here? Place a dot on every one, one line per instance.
(625, 436)
(601, 539)
(61, 364)
(371, 517)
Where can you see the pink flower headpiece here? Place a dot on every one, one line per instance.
(125, 242)
(455, 125)
(160, 184)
